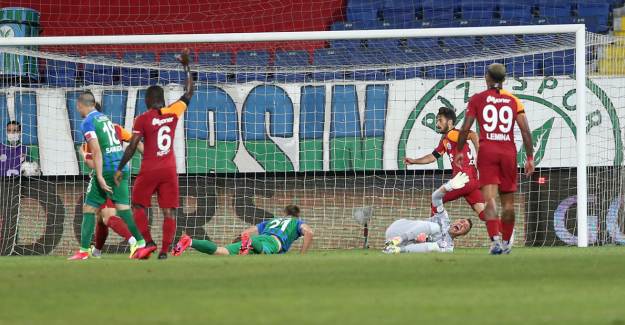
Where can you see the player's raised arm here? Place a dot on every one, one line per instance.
(307, 233)
(188, 87)
(128, 153)
(521, 120)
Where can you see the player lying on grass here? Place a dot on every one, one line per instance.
(107, 150)
(273, 236)
(435, 234)
(106, 217)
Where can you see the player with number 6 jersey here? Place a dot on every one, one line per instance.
(157, 128)
(497, 111)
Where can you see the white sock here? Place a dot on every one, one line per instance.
(132, 241)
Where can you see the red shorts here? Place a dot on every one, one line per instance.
(498, 166)
(163, 182)
(107, 204)
(471, 193)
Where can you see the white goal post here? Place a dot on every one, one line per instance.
(580, 66)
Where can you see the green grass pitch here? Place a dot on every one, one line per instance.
(531, 286)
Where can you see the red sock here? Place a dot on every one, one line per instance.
(169, 231)
(482, 216)
(492, 227)
(101, 232)
(119, 226)
(142, 223)
(507, 227)
(500, 225)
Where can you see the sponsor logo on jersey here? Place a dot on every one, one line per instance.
(159, 122)
(494, 100)
(114, 149)
(163, 153)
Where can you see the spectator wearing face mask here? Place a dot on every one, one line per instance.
(12, 153)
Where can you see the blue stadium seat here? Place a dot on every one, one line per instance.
(365, 57)
(422, 42)
(447, 71)
(405, 56)
(539, 39)
(478, 69)
(214, 59)
(342, 25)
(61, 73)
(96, 74)
(350, 44)
(595, 15)
(170, 76)
(458, 41)
(138, 76)
(499, 41)
(550, 8)
(471, 9)
(291, 59)
(439, 10)
(399, 11)
(515, 9)
(520, 66)
(362, 10)
(561, 63)
(332, 58)
(257, 61)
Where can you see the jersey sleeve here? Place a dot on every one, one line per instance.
(520, 108)
(440, 149)
(124, 135)
(88, 130)
(299, 227)
(472, 106)
(137, 127)
(261, 226)
(177, 108)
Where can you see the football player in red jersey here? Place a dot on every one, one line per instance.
(157, 128)
(497, 111)
(445, 122)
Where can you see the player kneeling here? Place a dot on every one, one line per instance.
(435, 234)
(273, 236)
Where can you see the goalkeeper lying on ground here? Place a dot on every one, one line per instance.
(273, 236)
(435, 234)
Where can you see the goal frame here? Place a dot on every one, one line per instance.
(580, 66)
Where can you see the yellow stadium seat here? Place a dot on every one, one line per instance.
(612, 66)
(616, 51)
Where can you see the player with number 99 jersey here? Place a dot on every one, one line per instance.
(496, 112)
(158, 174)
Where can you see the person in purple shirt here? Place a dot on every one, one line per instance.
(12, 153)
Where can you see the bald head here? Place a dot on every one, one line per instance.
(495, 75)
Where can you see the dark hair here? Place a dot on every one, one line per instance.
(448, 113)
(87, 98)
(470, 223)
(292, 210)
(16, 123)
(98, 107)
(155, 97)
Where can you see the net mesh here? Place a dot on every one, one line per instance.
(326, 129)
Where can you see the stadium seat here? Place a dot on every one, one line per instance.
(514, 9)
(471, 9)
(256, 62)
(138, 76)
(171, 76)
(405, 56)
(561, 63)
(399, 11)
(295, 59)
(439, 10)
(364, 57)
(500, 41)
(594, 15)
(550, 8)
(329, 59)
(96, 74)
(478, 69)
(423, 42)
(363, 10)
(521, 66)
(217, 60)
(344, 25)
(61, 73)
(538, 39)
(447, 71)
(458, 41)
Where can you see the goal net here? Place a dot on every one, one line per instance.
(324, 124)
